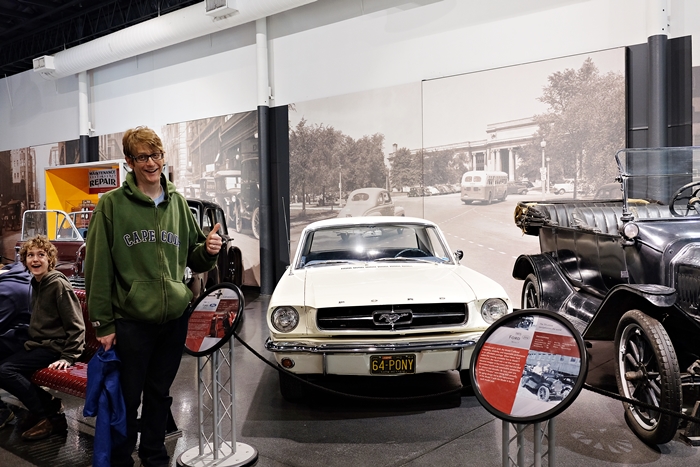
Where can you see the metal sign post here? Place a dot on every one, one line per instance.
(213, 318)
(526, 368)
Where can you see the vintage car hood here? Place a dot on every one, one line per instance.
(375, 283)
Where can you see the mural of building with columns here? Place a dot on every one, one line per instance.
(499, 151)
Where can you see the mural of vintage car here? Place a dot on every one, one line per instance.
(238, 192)
(626, 274)
(370, 202)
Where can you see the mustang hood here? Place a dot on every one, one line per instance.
(374, 283)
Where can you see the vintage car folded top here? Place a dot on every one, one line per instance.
(377, 296)
(626, 272)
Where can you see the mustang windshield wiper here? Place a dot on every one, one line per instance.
(404, 258)
(325, 262)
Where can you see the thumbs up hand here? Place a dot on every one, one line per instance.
(213, 241)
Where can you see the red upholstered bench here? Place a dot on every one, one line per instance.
(72, 381)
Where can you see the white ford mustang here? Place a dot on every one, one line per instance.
(378, 296)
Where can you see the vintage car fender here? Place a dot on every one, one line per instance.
(655, 300)
(558, 295)
(549, 276)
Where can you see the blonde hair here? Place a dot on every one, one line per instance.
(42, 243)
(140, 135)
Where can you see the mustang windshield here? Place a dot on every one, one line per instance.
(386, 242)
(665, 176)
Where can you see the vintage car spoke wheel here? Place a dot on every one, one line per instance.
(543, 393)
(255, 223)
(292, 389)
(647, 370)
(531, 292)
(691, 199)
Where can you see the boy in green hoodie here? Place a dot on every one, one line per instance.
(141, 237)
(56, 340)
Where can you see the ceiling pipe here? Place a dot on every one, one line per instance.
(173, 28)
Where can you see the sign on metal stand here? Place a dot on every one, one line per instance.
(528, 367)
(213, 319)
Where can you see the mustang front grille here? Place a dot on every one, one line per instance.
(391, 317)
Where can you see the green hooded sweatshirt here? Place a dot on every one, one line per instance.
(136, 255)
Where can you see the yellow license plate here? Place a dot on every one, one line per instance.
(392, 364)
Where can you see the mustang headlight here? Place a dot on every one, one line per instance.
(285, 318)
(492, 309)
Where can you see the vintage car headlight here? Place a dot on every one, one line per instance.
(630, 230)
(492, 309)
(285, 318)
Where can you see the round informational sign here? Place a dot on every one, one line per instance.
(529, 366)
(213, 318)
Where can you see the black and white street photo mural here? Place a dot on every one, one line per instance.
(462, 151)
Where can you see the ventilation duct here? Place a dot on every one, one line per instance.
(173, 28)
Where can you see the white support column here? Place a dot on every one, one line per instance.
(83, 117)
(262, 62)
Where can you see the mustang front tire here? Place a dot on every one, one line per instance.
(648, 371)
(292, 389)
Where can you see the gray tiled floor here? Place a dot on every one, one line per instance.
(329, 431)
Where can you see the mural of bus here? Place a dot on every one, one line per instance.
(484, 185)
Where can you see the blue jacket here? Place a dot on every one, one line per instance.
(104, 399)
(15, 311)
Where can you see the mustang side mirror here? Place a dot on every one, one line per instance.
(459, 254)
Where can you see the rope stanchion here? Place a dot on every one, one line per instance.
(636, 403)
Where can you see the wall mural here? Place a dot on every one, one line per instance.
(553, 124)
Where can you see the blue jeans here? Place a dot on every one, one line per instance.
(150, 355)
(15, 373)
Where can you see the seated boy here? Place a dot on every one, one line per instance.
(56, 340)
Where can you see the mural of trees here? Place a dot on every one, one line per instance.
(583, 127)
(322, 159)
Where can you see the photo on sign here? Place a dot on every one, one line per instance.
(211, 320)
(546, 380)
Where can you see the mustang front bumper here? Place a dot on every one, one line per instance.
(354, 358)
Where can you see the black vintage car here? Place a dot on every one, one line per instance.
(229, 266)
(626, 273)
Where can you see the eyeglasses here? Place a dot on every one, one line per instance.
(141, 158)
